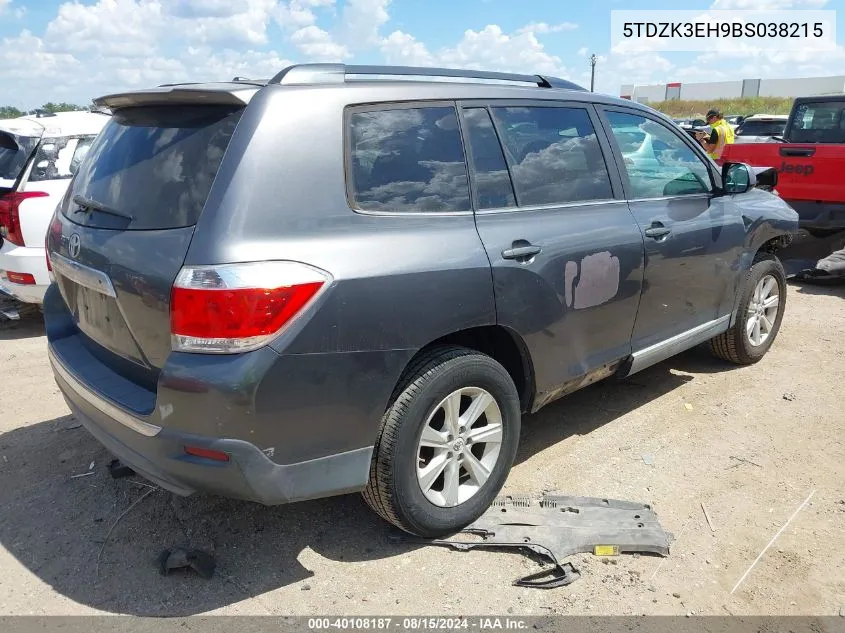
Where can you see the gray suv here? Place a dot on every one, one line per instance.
(354, 278)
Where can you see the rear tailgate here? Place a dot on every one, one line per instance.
(125, 225)
(805, 172)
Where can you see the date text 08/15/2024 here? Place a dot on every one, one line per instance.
(416, 624)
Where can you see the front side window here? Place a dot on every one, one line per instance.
(408, 160)
(554, 155)
(659, 163)
(14, 151)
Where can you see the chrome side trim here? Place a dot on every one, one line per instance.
(678, 343)
(552, 207)
(101, 404)
(681, 196)
(83, 275)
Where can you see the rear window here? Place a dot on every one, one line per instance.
(761, 128)
(155, 164)
(822, 122)
(14, 152)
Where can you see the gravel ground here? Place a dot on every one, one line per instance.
(751, 444)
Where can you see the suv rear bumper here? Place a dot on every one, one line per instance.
(158, 454)
(28, 260)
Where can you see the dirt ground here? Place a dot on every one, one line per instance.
(751, 444)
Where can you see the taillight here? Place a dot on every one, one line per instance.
(25, 279)
(10, 221)
(234, 308)
(54, 232)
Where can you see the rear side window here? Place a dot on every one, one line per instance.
(493, 189)
(822, 122)
(407, 160)
(59, 158)
(554, 155)
(155, 164)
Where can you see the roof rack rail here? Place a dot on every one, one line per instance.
(316, 74)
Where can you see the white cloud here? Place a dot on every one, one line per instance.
(130, 27)
(299, 13)
(404, 50)
(26, 61)
(4, 4)
(489, 49)
(318, 45)
(583, 51)
(245, 25)
(752, 5)
(361, 22)
(543, 27)
(119, 28)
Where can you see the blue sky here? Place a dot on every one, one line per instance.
(54, 50)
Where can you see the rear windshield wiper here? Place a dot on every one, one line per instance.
(92, 205)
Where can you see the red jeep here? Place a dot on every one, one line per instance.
(810, 162)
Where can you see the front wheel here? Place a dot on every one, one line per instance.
(759, 315)
(446, 444)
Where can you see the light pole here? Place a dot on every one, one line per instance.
(593, 60)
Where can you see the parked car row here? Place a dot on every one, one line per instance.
(755, 128)
(348, 279)
(761, 128)
(38, 156)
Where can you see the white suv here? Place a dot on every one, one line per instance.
(761, 128)
(38, 156)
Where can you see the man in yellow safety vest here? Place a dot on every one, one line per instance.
(721, 134)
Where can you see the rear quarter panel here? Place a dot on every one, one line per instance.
(36, 213)
(399, 282)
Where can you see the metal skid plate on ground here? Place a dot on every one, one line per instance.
(556, 527)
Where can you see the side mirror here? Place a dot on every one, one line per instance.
(767, 178)
(738, 178)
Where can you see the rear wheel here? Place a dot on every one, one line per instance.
(759, 315)
(446, 444)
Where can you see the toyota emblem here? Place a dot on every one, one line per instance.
(73, 245)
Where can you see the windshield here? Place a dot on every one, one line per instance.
(14, 152)
(152, 164)
(761, 128)
(821, 122)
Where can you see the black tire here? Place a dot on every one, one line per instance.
(734, 345)
(393, 490)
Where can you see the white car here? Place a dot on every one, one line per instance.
(38, 156)
(761, 128)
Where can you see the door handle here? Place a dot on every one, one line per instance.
(797, 151)
(657, 232)
(521, 252)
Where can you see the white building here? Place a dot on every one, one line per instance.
(805, 87)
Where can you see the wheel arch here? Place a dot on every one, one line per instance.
(500, 343)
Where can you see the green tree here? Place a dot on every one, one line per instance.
(9, 112)
(61, 107)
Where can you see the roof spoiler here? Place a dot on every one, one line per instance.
(189, 94)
